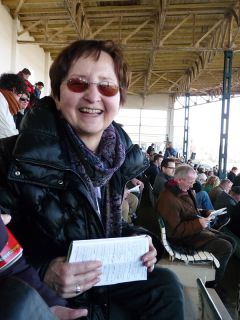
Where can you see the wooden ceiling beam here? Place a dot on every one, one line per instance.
(205, 58)
(159, 25)
(135, 80)
(156, 81)
(175, 29)
(131, 34)
(19, 6)
(104, 26)
(169, 44)
(60, 31)
(36, 23)
(140, 49)
(215, 26)
(78, 18)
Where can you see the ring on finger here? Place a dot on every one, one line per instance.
(77, 289)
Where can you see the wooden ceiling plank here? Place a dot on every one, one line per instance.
(84, 28)
(184, 64)
(104, 26)
(46, 30)
(19, 6)
(170, 81)
(224, 29)
(206, 58)
(68, 26)
(130, 35)
(30, 27)
(156, 81)
(159, 24)
(214, 27)
(175, 29)
(135, 80)
(175, 84)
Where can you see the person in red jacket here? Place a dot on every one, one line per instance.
(25, 74)
(17, 268)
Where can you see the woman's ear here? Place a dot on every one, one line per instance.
(57, 104)
(56, 101)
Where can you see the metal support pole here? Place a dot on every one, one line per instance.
(227, 77)
(186, 127)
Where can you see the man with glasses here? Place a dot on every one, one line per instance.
(167, 172)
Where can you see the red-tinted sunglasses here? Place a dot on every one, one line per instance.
(106, 88)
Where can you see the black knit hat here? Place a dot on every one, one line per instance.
(39, 83)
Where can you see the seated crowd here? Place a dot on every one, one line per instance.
(185, 195)
(17, 96)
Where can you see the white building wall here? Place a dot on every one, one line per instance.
(155, 102)
(5, 40)
(16, 56)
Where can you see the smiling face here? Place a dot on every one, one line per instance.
(89, 112)
(23, 101)
(186, 183)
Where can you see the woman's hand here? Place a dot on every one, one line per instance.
(72, 279)
(205, 213)
(6, 218)
(64, 313)
(149, 259)
(137, 182)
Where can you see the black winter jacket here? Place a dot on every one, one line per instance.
(49, 202)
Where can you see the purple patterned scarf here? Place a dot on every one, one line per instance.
(97, 170)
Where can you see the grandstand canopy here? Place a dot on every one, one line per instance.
(172, 46)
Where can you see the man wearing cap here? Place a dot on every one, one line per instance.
(38, 87)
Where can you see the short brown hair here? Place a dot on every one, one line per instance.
(86, 48)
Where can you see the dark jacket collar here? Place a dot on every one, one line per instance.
(41, 141)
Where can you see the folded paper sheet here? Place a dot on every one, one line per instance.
(218, 212)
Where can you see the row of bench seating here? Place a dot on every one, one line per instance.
(195, 257)
(210, 305)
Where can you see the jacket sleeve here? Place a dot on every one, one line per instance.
(158, 186)
(8, 196)
(179, 225)
(7, 124)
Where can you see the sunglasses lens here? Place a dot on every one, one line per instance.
(77, 85)
(108, 89)
(105, 88)
(24, 99)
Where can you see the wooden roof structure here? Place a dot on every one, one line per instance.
(172, 46)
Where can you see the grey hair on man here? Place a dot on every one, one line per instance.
(184, 170)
